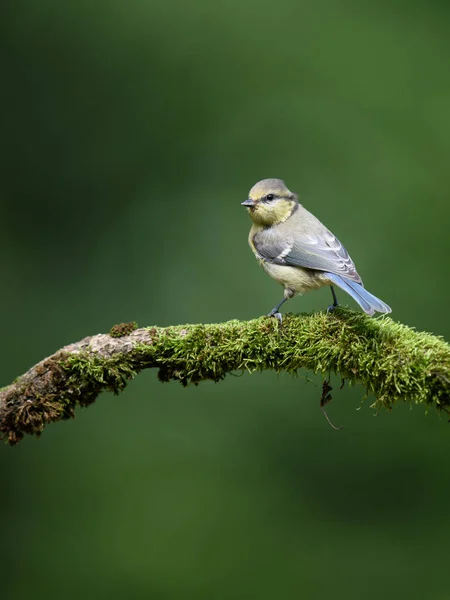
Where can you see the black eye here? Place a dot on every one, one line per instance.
(270, 197)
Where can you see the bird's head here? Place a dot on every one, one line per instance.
(270, 202)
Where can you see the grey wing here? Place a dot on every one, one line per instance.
(322, 252)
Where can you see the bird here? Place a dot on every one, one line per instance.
(298, 251)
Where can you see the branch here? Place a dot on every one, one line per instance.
(392, 361)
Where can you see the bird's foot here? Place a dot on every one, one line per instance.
(275, 313)
(331, 308)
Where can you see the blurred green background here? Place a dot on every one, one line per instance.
(131, 132)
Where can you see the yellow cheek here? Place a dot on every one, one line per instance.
(280, 212)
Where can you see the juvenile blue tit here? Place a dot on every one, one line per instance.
(298, 251)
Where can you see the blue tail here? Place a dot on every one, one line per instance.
(367, 301)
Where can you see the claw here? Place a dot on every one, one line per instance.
(277, 315)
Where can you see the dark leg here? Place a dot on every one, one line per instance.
(335, 300)
(275, 312)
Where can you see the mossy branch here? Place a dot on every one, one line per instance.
(393, 362)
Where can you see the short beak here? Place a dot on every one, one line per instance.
(248, 202)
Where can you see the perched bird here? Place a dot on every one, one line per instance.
(298, 251)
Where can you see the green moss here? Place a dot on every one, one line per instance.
(31, 405)
(393, 363)
(88, 374)
(122, 329)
